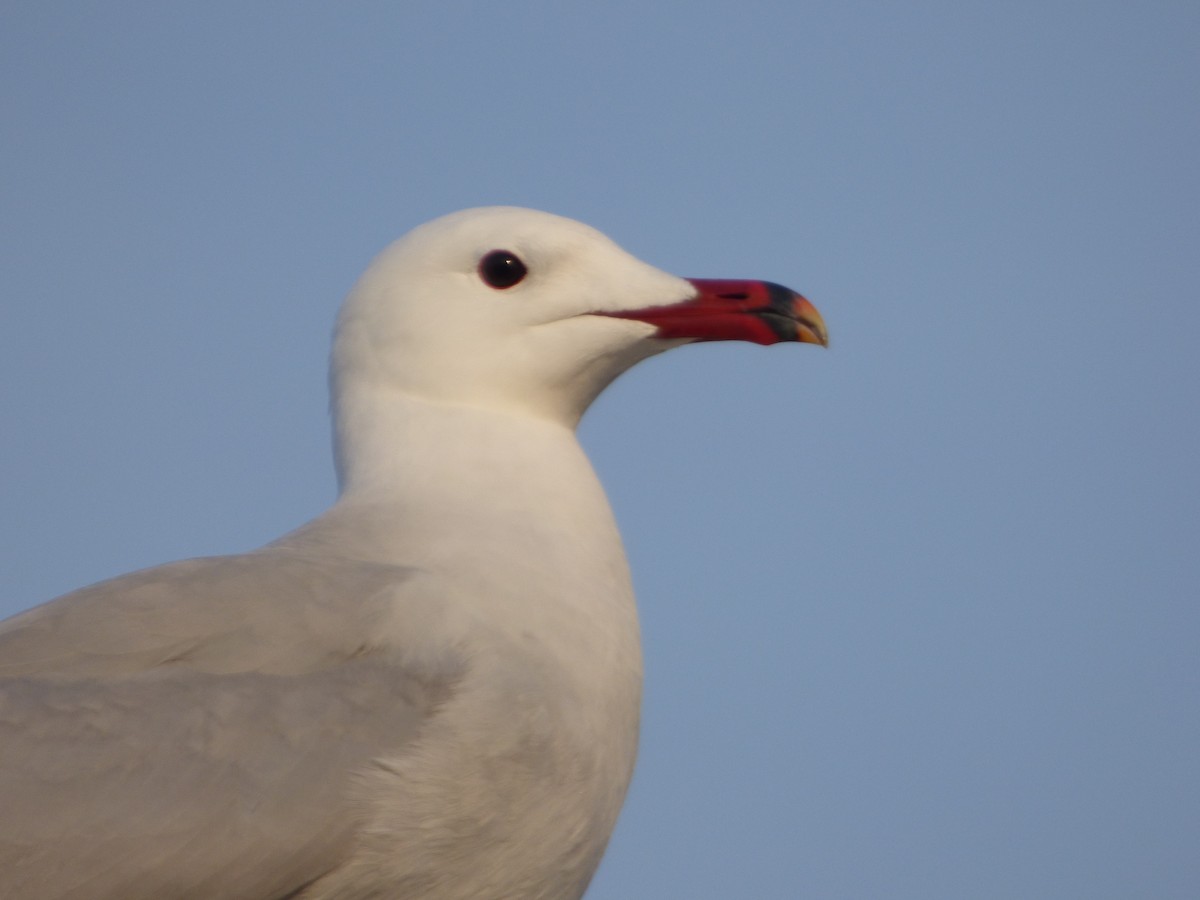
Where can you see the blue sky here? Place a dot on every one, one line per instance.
(920, 612)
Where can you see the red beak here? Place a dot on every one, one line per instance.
(758, 311)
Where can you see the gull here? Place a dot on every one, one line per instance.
(432, 689)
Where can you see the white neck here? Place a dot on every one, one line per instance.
(493, 473)
(430, 485)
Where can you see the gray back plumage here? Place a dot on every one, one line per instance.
(195, 730)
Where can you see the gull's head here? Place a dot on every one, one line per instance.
(523, 311)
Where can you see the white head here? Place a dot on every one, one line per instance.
(529, 313)
(424, 320)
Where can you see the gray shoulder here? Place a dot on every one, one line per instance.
(176, 783)
(198, 729)
(269, 611)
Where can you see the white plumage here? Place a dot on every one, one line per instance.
(430, 691)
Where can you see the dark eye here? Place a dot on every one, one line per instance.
(501, 269)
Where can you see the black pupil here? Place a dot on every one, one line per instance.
(501, 269)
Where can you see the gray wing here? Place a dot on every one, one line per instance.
(195, 730)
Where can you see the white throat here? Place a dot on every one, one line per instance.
(433, 484)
